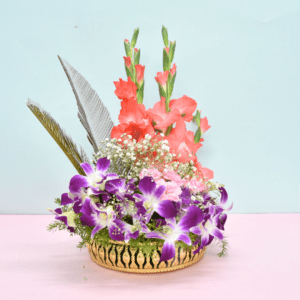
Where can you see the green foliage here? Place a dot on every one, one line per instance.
(140, 93)
(134, 37)
(57, 201)
(137, 57)
(172, 51)
(128, 73)
(56, 225)
(164, 32)
(127, 49)
(224, 247)
(197, 135)
(166, 64)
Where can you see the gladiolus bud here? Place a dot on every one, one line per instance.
(127, 61)
(126, 41)
(167, 49)
(139, 73)
(162, 78)
(173, 70)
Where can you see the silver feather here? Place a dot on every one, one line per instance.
(92, 113)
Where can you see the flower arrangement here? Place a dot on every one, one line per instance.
(144, 186)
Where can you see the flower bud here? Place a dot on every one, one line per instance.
(162, 78)
(173, 70)
(127, 61)
(139, 73)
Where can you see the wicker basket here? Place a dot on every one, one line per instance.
(120, 256)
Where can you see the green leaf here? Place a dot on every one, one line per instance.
(137, 57)
(164, 32)
(128, 72)
(140, 93)
(127, 49)
(166, 65)
(134, 37)
(197, 136)
(172, 51)
(171, 86)
(197, 118)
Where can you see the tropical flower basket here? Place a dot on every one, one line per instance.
(144, 203)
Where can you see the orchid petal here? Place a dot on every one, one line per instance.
(65, 200)
(204, 239)
(77, 182)
(192, 218)
(217, 233)
(171, 221)
(96, 229)
(86, 207)
(196, 230)
(168, 251)
(159, 191)
(155, 235)
(184, 238)
(166, 209)
(87, 168)
(62, 218)
(88, 220)
(103, 165)
(77, 207)
(116, 231)
(58, 211)
(224, 196)
(211, 209)
(229, 208)
(147, 185)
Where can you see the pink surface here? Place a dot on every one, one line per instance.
(263, 263)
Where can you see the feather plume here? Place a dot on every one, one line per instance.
(63, 140)
(92, 114)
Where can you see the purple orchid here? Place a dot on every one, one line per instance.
(83, 187)
(101, 218)
(223, 200)
(133, 231)
(208, 228)
(150, 199)
(66, 217)
(119, 188)
(173, 231)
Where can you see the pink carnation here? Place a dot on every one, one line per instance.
(172, 191)
(196, 186)
(155, 174)
(173, 176)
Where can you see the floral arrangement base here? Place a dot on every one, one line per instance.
(119, 256)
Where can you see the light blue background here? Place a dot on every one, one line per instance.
(239, 59)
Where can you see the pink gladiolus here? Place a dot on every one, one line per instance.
(159, 115)
(125, 89)
(127, 61)
(126, 41)
(162, 78)
(173, 70)
(204, 125)
(207, 173)
(182, 142)
(136, 50)
(167, 49)
(140, 73)
(186, 107)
